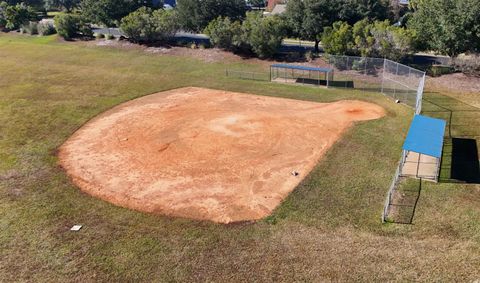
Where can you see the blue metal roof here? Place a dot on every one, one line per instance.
(304, 68)
(426, 136)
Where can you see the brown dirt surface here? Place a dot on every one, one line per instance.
(205, 154)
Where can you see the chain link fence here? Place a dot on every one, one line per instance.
(246, 75)
(402, 83)
(393, 79)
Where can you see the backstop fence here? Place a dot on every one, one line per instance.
(393, 79)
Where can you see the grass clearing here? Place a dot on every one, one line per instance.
(328, 229)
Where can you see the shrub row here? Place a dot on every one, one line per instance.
(72, 25)
(147, 25)
(260, 35)
(41, 28)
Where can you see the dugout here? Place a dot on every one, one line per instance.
(423, 147)
(301, 74)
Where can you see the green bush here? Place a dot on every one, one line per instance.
(109, 37)
(195, 15)
(363, 39)
(147, 25)
(264, 35)
(99, 35)
(46, 28)
(85, 30)
(374, 39)
(391, 42)
(260, 35)
(72, 25)
(224, 33)
(3, 19)
(439, 70)
(338, 39)
(15, 16)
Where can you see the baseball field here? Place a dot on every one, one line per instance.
(178, 173)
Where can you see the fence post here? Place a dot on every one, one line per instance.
(395, 86)
(366, 62)
(383, 75)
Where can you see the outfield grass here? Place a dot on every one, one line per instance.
(328, 229)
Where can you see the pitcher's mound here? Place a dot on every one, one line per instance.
(205, 154)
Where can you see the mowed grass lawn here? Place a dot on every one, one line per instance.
(328, 229)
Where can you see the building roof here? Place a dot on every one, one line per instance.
(303, 68)
(426, 136)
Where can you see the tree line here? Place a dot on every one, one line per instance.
(381, 28)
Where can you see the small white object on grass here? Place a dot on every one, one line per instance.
(295, 173)
(76, 228)
(397, 101)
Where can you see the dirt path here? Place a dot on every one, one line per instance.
(205, 154)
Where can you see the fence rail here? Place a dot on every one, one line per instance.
(392, 188)
(257, 76)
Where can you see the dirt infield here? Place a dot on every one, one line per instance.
(205, 154)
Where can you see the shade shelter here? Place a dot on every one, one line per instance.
(423, 147)
(301, 74)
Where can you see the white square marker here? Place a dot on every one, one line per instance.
(76, 228)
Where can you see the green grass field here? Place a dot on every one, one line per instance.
(328, 229)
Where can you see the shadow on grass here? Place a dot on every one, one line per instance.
(464, 163)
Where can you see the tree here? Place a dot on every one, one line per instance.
(110, 12)
(194, 15)
(225, 33)
(363, 38)
(338, 39)
(389, 41)
(35, 4)
(353, 11)
(446, 26)
(147, 25)
(308, 18)
(71, 25)
(377, 39)
(67, 5)
(14, 16)
(3, 19)
(263, 34)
